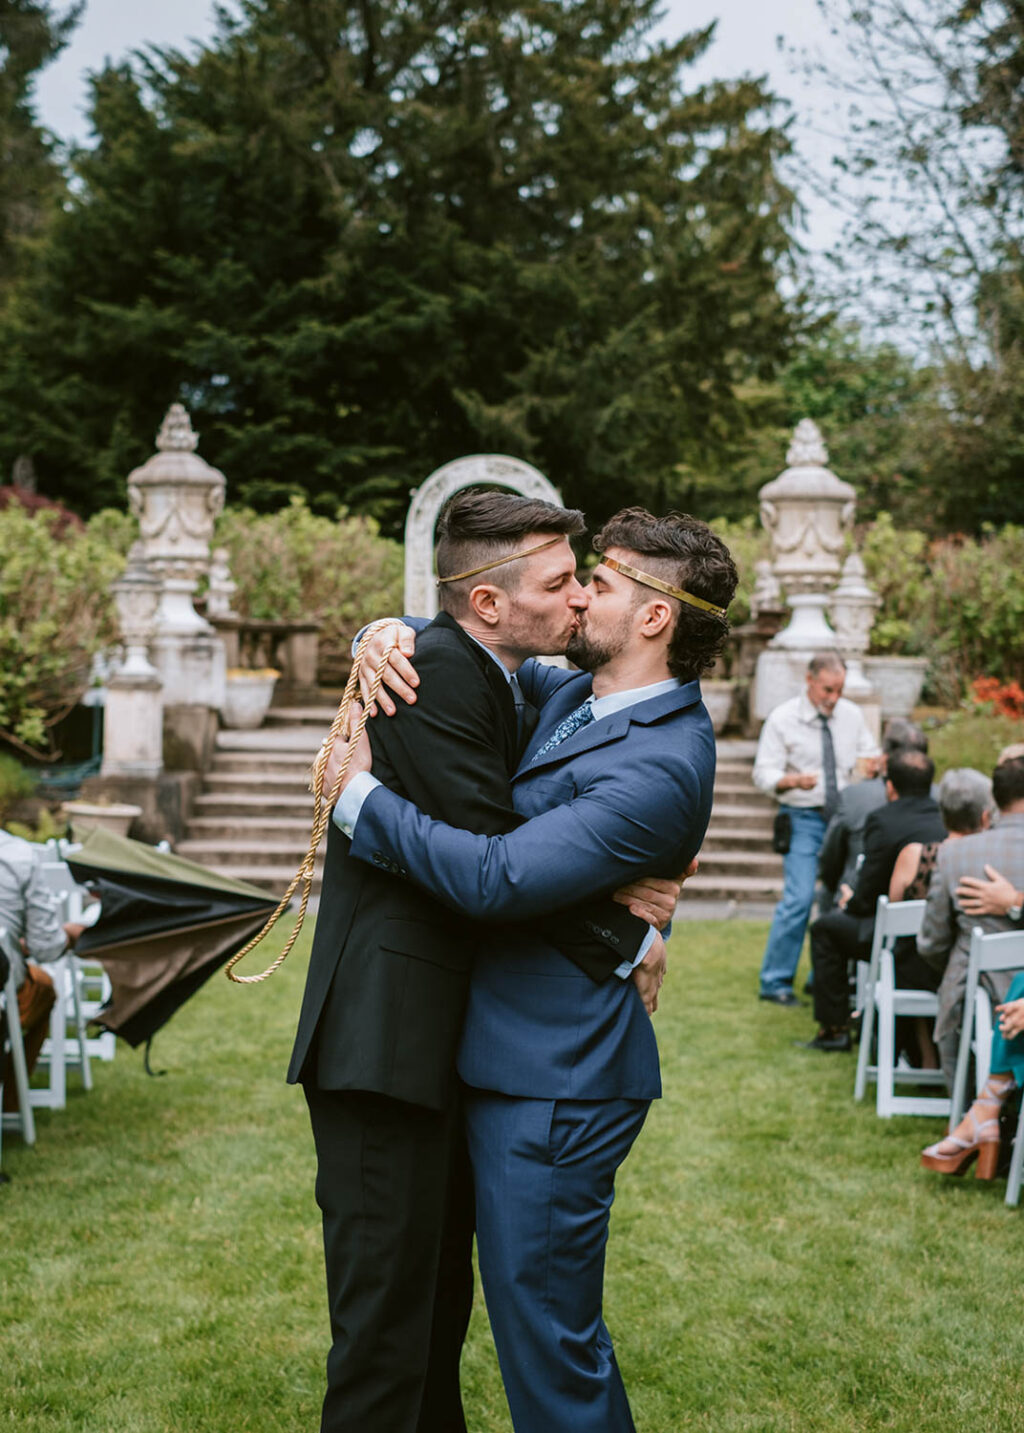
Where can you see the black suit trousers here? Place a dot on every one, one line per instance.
(395, 1191)
(836, 939)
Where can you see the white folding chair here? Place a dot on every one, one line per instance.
(990, 951)
(23, 1118)
(882, 1001)
(71, 974)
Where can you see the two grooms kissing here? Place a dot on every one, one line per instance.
(475, 1042)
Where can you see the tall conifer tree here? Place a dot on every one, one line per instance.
(362, 239)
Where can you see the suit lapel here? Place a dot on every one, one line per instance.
(607, 729)
(498, 684)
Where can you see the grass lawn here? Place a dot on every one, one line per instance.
(778, 1259)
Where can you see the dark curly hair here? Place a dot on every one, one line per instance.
(684, 552)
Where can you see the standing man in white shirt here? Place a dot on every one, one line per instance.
(806, 755)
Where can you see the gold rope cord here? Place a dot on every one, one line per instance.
(321, 808)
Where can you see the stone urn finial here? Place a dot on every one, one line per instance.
(176, 432)
(807, 450)
(176, 497)
(852, 609)
(807, 511)
(137, 597)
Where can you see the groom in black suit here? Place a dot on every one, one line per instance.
(389, 970)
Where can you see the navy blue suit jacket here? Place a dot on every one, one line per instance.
(625, 796)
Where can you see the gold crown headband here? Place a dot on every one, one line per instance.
(511, 557)
(658, 585)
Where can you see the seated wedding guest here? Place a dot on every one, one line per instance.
(30, 918)
(965, 805)
(977, 1134)
(945, 937)
(843, 847)
(994, 896)
(844, 934)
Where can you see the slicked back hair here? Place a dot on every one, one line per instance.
(684, 552)
(1008, 782)
(477, 526)
(911, 772)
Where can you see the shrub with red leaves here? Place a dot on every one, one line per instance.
(1007, 698)
(34, 502)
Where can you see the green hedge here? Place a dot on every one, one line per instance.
(55, 613)
(958, 601)
(292, 565)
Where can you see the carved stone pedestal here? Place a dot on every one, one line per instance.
(133, 727)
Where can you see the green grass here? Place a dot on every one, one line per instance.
(970, 738)
(778, 1259)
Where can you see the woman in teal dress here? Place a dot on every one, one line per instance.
(977, 1134)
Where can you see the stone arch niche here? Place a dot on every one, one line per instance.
(494, 469)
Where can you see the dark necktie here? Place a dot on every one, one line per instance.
(828, 769)
(565, 728)
(520, 701)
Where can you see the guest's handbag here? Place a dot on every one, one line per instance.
(782, 831)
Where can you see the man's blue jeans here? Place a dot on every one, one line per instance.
(789, 924)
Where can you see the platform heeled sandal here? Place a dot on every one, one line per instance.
(954, 1155)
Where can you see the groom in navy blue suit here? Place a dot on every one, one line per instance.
(559, 1069)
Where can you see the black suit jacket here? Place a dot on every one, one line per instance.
(389, 968)
(886, 832)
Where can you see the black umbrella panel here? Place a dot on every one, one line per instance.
(165, 926)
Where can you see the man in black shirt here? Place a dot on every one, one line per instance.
(844, 934)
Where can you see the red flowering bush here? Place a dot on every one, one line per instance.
(1007, 698)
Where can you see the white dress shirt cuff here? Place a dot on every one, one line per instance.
(350, 802)
(625, 970)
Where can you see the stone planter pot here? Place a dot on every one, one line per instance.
(247, 697)
(718, 698)
(85, 816)
(898, 681)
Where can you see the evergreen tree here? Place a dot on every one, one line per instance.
(31, 35)
(359, 240)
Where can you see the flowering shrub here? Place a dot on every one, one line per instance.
(1007, 699)
(954, 600)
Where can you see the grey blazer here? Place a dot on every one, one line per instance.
(945, 938)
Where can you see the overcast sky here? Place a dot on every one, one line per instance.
(746, 42)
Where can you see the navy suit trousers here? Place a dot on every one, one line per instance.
(544, 1172)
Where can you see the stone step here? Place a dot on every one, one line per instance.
(746, 790)
(268, 740)
(255, 781)
(256, 762)
(737, 888)
(741, 863)
(300, 716)
(252, 802)
(275, 879)
(738, 838)
(235, 827)
(754, 818)
(250, 852)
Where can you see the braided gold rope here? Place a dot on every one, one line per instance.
(321, 808)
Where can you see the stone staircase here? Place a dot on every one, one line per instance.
(252, 820)
(253, 817)
(739, 872)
